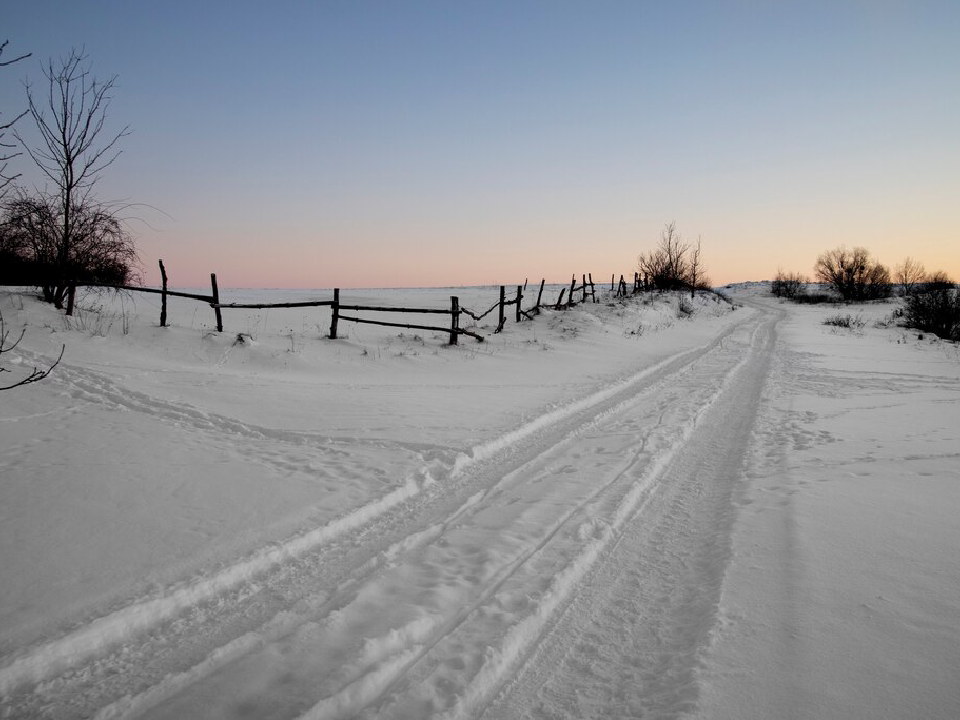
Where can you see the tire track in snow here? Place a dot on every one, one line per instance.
(628, 643)
(385, 659)
(93, 639)
(516, 644)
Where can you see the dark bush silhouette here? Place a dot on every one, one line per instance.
(788, 285)
(32, 250)
(673, 265)
(935, 308)
(853, 274)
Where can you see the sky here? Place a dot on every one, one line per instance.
(395, 144)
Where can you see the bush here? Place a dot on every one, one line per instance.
(845, 321)
(936, 311)
(34, 250)
(674, 265)
(787, 285)
(853, 274)
(817, 298)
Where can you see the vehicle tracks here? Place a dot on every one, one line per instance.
(390, 610)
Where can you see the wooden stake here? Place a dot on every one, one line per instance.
(454, 319)
(560, 299)
(519, 298)
(540, 295)
(334, 313)
(593, 288)
(215, 295)
(163, 296)
(502, 318)
(573, 285)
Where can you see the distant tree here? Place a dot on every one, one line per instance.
(667, 267)
(938, 280)
(787, 285)
(935, 308)
(853, 274)
(909, 275)
(696, 270)
(5, 148)
(72, 154)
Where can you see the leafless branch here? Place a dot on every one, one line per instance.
(5, 179)
(36, 374)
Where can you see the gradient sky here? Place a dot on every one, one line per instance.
(359, 144)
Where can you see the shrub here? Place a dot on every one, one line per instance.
(853, 274)
(936, 311)
(674, 265)
(845, 321)
(817, 298)
(787, 285)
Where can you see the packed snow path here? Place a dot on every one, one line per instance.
(584, 539)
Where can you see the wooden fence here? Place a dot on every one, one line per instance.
(587, 289)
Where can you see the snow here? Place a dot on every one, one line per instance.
(843, 597)
(613, 510)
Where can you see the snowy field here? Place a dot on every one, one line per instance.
(627, 509)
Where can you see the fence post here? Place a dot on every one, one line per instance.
(502, 318)
(519, 298)
(216, 301)
(540, 295)
(573, 285)
(612, 275)
(71, 293)
(454, 319)
(334, 313)
(593, 288)
(560, 299)
(163, 296)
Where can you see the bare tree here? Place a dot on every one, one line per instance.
(788, 285)
(853, 274)
(35, 375)
(909, 275)
(667, 266)
(73, 151)
(5, 148)
(101, 250)
(696, 269)
(938, 280)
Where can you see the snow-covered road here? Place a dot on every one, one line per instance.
(452, 606)
(598, 558)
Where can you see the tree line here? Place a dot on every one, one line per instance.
(931, 301)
